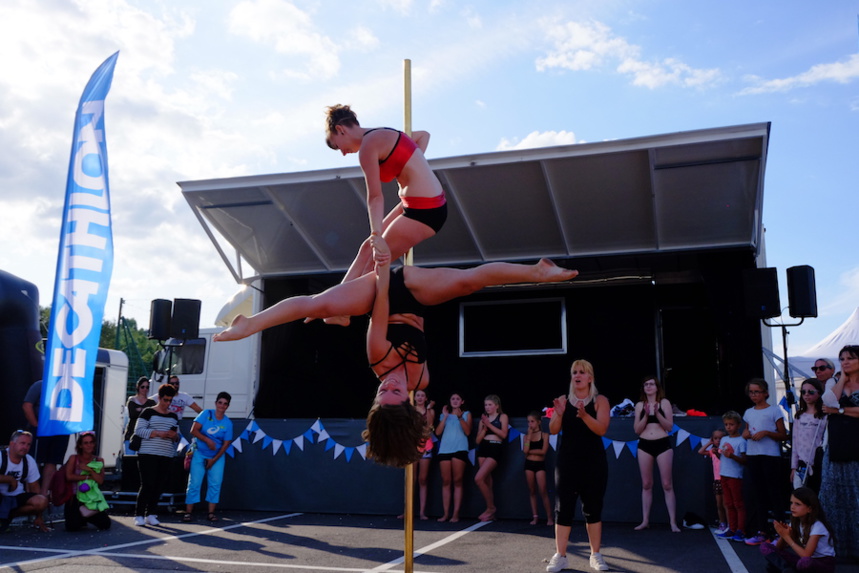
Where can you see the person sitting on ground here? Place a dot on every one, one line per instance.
(85, 471)
(19, 482)
(396, 346)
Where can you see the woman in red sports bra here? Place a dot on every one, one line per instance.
(386, 154)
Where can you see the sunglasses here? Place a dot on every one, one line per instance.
(809, 392)
(817, 368)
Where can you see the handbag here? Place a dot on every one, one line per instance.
(803, 470)
(134, 443)
(843, 442)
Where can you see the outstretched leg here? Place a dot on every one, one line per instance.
(350, 299)
(438, 285)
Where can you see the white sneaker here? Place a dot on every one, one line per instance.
(557, 563)
(152, 520)
(597, 562)
(138, 520)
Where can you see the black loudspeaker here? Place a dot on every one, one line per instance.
(159, 319)
(801, 292)
(186, 318)
(760, 288)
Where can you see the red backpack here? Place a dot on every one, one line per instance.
(61, 490)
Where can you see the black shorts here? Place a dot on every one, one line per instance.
(460, 455)
(433, 218)
(489, 449)
(535, 466)
(51, 449)
(655, 447)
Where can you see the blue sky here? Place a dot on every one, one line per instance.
(218, 89)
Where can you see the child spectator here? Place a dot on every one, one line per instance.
(733, 450)
(806, 544)
(535, 445)
(764, 431)
(806, 456)
(711, 450)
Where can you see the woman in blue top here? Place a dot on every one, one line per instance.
(454, 426)
(214, 433)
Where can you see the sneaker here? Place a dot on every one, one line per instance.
(597, 562)
(557, 563)
(152, 520)
(756, 539)
(138, 520)
(726, 534)
(692, 525)
(739, 537)
(721, 528)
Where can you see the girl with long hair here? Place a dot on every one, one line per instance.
(536, 445)
(807, 543)
(492, 431)
(653, 420)
(808, 429)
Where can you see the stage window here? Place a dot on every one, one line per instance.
(513, 327)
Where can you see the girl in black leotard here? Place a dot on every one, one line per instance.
(582, 468)
(535, 445)
(653, 420)
(491, 436)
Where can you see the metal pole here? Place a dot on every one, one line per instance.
(409, 510)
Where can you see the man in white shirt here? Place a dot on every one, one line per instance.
(19, 482)
(181, 400)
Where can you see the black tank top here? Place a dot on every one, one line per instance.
(578, 442)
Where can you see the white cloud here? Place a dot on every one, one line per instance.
(582, 46)
(289, 31)
(538, 139)
(843, 72)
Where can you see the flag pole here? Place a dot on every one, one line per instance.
(409, 510)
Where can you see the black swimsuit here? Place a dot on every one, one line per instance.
(406, 340)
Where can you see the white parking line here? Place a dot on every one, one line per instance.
(729, 554)
(111, 548)
(430, 547)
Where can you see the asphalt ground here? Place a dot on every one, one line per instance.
(256, 542)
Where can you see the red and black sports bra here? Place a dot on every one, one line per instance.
(391, 166)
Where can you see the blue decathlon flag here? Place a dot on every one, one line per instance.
(84, 266)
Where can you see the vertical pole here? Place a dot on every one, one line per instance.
(409, 509)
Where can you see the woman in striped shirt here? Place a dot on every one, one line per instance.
(158, 428)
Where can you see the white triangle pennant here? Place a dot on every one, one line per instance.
(299, 442)
(323, 435)
(317, 426)
(553, 441)
(338, 449)
(682, 436)
(618, 447)
(362, 449)
(250, 426)
(237, 445)
(275, 446)
(259, 435)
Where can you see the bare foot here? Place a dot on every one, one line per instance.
(424, 518)
(488, 516)
(454, 519)
(534, 521)
(238, 329)
(549, 272)
(642, 525)
(549, 522)
(338, 320)
(442, 519)
(674, 528)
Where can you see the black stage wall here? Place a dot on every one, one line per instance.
(312, 480)
(680, 316)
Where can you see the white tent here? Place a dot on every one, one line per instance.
(847, 333)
